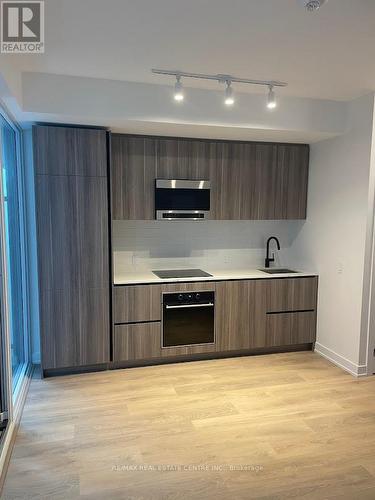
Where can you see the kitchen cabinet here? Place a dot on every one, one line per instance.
(244, 181)
(74, 325)
(255, 181)
(249, 180)
(240, 314)
(184, 159)
(62, 150)
(291, 305)
(231, 176)
(136, 341)
(249, 315)
(283, 329)
(254, 314)
(198, 286)
(73, 245)
(136, 303)
(133, 173)
(291, 294)
(291, 181)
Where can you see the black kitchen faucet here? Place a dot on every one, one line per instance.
(268, 258)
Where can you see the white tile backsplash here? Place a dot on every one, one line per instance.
(144, 245)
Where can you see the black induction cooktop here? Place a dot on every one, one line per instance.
(181, 273)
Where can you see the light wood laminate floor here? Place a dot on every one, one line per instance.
(270, 427)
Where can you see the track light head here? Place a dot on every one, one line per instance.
(271, 99)
(229, 99)
(178, 90)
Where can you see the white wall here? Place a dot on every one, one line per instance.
(333, 239)
(141, 245)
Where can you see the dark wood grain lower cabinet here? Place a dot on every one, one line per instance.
(74, 326)
(136, 303)
(291, 294)
(197, 286)
(240, 315)
(136, 341)
(284, 329)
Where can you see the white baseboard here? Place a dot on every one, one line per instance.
(337, 359)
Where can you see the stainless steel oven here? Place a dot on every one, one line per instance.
(188, 318)
(177, 199)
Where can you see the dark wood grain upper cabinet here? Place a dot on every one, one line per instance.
(133, 161)
(225, 175)
(291, 181)
(183, 159)
(249, 181)
(244, 181)
(73, 245)
(70, 151)
(264, 204)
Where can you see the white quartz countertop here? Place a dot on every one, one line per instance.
(138, 277)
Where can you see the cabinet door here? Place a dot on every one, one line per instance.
(133, 166)
(74, 326)
(72, 215)
(139, 341)
(70, 151)
(292, 181)
(290, 328)
(228, 186)
(184, 159)
(291, 294)
(57, 226)
(92, 226)
(264, 205)
(240, 315)
(244, 181)
(136, 303)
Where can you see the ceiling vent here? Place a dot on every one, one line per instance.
(312, 5)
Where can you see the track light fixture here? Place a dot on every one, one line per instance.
(271, 99)
(227, 79)
(178, 90)
(229, 99)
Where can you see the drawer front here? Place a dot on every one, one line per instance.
(136, 303)
(187, 350)
(290, 328)
(139, 341)
(197, 286)
(291, 294)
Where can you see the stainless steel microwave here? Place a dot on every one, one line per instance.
(177, 199)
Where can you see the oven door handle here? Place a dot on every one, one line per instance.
(210, 304)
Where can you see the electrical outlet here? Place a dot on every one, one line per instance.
(340, 268)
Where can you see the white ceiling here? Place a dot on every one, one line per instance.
(328, 55)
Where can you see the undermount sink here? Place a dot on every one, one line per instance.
(277, 271)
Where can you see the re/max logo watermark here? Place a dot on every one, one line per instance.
(22, 27)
